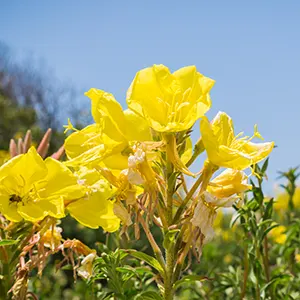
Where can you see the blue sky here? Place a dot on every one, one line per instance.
(251, 49)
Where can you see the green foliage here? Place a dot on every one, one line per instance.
(14, 119)
(118, 277)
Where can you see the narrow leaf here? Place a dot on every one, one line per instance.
(189, 279)
(7, 242)
(148, 259)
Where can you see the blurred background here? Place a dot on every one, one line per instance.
(51, 52)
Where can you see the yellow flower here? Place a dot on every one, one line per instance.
(228, 183)
(95, 209)
(281, 202)
(228, 258)
(224, 149)
(32, 189)
(297, 258)
(108, 139)
(278, 234)
(170, 102)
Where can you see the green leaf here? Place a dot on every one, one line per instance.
(148, 259)
(8, 242)
(150, 295)
(276, 279)
(268, 210)
(170, 237)
(265, 166)
(189, 279)
(268, 230)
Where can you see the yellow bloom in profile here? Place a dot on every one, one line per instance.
(32, 189)
(94, 209)
(228, 183)
(108, 139)
(224, 149)
(278, 234)
(170, 102)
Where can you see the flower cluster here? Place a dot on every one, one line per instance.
(133, 163)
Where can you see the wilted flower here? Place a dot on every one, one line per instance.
(122, 213)
(170, 102)
(204, 216)
(224, 149)
(86, 268)
(52, 237)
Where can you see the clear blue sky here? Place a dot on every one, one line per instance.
(251, 49)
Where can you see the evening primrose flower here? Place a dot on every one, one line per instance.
(278, 234)
(95, 209)
(32, 188)
(281, 202)
(107, 140)
(228, 183)
(224, 149)
(170, 102)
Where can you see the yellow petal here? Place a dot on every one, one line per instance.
(145, 96)
(257, 151)
(210, 140)
(188, 151)
(137, 128)
(83, 140)
(222, 127)
(94, 210)
(32, 212)
(228, 183)
(116, 161)
(105, 106)
(91, 145)
(60, 181)
(8, 209)
(109, 221)
(5, 168)
(26, 169)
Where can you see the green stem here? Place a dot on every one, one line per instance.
(170, 261)
(187, 199)
(198, 149)
(246, 271)
(170, 192)
(153, 243)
